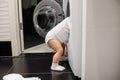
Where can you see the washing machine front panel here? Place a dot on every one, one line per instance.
(46, 19)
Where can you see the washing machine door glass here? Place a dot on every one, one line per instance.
(47, 14)
(45, 18)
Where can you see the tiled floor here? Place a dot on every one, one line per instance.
(34, 65)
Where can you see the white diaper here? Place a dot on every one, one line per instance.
(59, 32)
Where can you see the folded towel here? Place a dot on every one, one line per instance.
(15, 76)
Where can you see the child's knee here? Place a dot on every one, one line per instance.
(60, 51)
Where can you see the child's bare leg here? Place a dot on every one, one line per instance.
(59, 48)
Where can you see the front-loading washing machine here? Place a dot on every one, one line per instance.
(38, 17)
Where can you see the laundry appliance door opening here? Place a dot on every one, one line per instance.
(46, 18)
(47, 14)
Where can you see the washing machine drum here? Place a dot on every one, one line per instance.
(47, 14)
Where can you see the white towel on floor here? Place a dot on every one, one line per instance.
(15, 76)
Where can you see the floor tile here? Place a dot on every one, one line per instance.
(52, 76)
(1, 77)
(35, 65)
(6, 63)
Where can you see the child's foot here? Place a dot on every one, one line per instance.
(57, 67)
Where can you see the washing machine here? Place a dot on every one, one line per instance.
(38, 17)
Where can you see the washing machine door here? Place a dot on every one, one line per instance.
(47, 14)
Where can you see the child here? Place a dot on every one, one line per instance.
(57, 39)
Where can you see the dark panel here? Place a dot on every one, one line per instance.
(5, 49)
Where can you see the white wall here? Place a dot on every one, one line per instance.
(103, 40)
(75, 40)
(15, 39)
